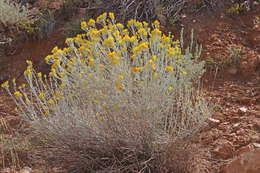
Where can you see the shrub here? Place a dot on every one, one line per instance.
(113, 98)
(12, 13)
(148, 10)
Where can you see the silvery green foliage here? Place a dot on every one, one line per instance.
(103, 98)
(12, 13)
(170, 101)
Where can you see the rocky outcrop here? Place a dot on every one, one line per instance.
(248, 162)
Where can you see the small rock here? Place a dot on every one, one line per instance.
(257, 145)
(234, 119)
(224, 150)
(12, 121)
(244, 149)
(55, 5)
(213, 122)
(82, 12)
(183, 16)
(219, 116)
(232, 70)
(242, 110)
(255, 138)
(256, 114)
(257, 124)
(248, 162)
(236, 126)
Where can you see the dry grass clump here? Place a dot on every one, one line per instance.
(177, 158)
(114, 97)
(120, 143)
(147, 10)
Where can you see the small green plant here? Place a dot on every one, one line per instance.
(256, 20)
(235, 9)
(233, 59)
(235, 55)
(29, 28)
(114, 97)
(73, 28)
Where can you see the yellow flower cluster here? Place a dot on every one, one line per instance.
(108, 55)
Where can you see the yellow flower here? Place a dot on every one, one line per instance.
(109, 42)
(121, 77)
(111, 54)
(16, 109)
(54, 49)
(132, 39)
(101, 17)
(68, 40)
(39, 74)
(62, 74)
(153, 67)
(125, 32)
(91, 22)
(18, 94)
(114, 62)
(143, 46)
(138, 24)
(27, 100)
(101, 66)
(90, 75)
(47, 58)
(46, 111)
(120, 26)
(51, 101)
(166, 39)
(116, 104)
(184, 73)
(145, 24)
(5, 84)
(21, 86)
(135, 69)
(157, 23)
(141, 30)
(41, 95)
(83, 25)
(116, 58)
(111, 15)
(154, 58)
(62, 86)
(91, 62)
(14, 81)
(170, 88)
(28, 71)
(29, 62)
(120, 87)
(131, 22)
(104, 104)
(156, 32)
(169, 68)
(155, 75)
